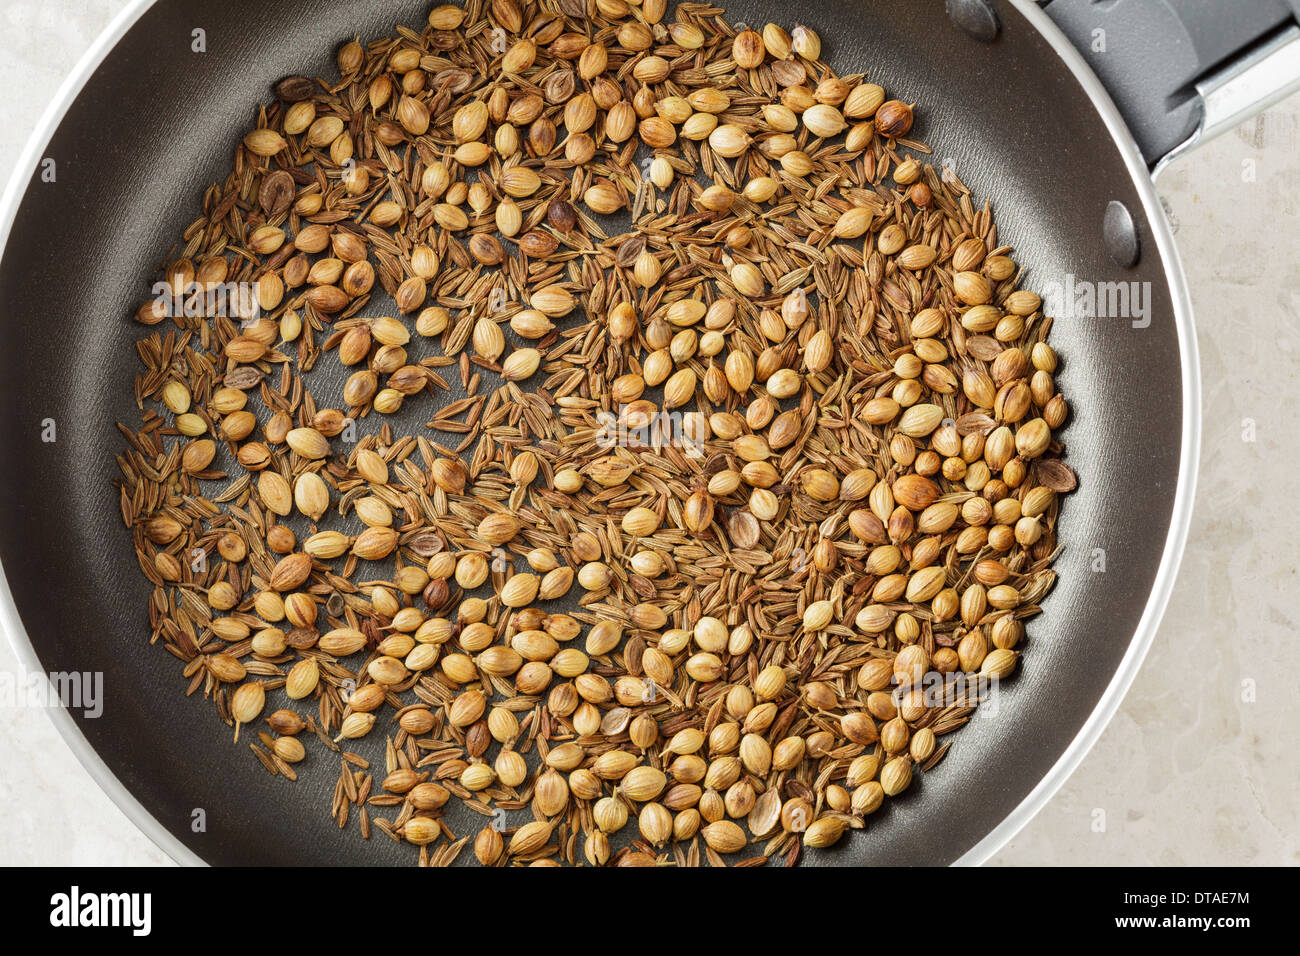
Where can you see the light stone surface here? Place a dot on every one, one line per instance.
(1198, 766)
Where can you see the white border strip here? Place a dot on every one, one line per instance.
(1181, 518)
(1174, 543)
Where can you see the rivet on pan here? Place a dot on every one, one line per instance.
(976, 18)
(1120, 235)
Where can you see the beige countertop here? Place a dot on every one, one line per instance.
(1197, 767)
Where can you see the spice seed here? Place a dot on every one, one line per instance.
(617, 545)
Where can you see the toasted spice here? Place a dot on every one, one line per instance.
(702, 476)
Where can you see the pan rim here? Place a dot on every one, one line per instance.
(1188, 458)
(1157, 600)
(10, 622)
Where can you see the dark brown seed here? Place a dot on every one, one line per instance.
(293, 89)
(435, 594)
(538, 245)
(561, 215)
(894, 119)
(276, 192)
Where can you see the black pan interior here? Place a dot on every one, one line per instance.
(157, 123)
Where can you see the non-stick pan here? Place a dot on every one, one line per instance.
(1007, 101)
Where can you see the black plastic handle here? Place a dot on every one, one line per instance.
(1151, 54)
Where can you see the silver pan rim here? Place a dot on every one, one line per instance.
(1157, 601)
(1189, 453)
(10, 622)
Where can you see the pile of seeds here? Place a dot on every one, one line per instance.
(699, 484)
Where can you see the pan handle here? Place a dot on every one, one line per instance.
(1183, 71)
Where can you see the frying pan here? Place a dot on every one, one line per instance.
(1005, 99)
